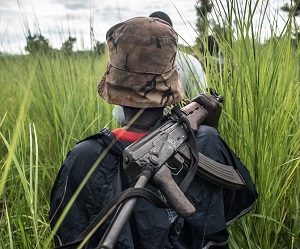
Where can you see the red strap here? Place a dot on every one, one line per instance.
(128, 136)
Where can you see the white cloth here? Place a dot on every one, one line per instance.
(191, 74)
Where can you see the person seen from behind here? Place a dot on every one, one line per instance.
(142, 77)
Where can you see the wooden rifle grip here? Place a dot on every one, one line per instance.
(164, 181)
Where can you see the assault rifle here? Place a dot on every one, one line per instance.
(158, 154)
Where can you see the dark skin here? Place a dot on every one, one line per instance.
(146, 116)
(141, 117)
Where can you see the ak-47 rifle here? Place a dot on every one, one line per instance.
(167, 144)
(164, 148)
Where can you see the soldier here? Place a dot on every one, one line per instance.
(142, 77)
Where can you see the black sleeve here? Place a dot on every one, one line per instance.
(216, 207)
(92, 198)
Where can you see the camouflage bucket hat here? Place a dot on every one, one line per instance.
(142, 70)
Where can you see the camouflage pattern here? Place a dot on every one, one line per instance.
(142, 70)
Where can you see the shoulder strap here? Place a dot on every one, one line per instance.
(126, 194)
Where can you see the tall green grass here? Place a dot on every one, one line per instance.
(261, 121)
(48, 103)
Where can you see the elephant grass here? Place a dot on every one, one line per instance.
(50, 102)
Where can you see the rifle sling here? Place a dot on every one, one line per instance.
(123, 196)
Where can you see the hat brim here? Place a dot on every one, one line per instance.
(140, 90)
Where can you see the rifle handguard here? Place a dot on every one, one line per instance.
(195, 114)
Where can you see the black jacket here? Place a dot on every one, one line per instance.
(149, 227)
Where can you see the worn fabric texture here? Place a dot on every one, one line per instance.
(149, 227)
(142, 69)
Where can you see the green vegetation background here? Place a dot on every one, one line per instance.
(48, 103)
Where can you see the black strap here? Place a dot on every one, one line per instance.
(126, 194)
(193, 149)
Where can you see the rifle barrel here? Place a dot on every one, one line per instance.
(115, 228)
